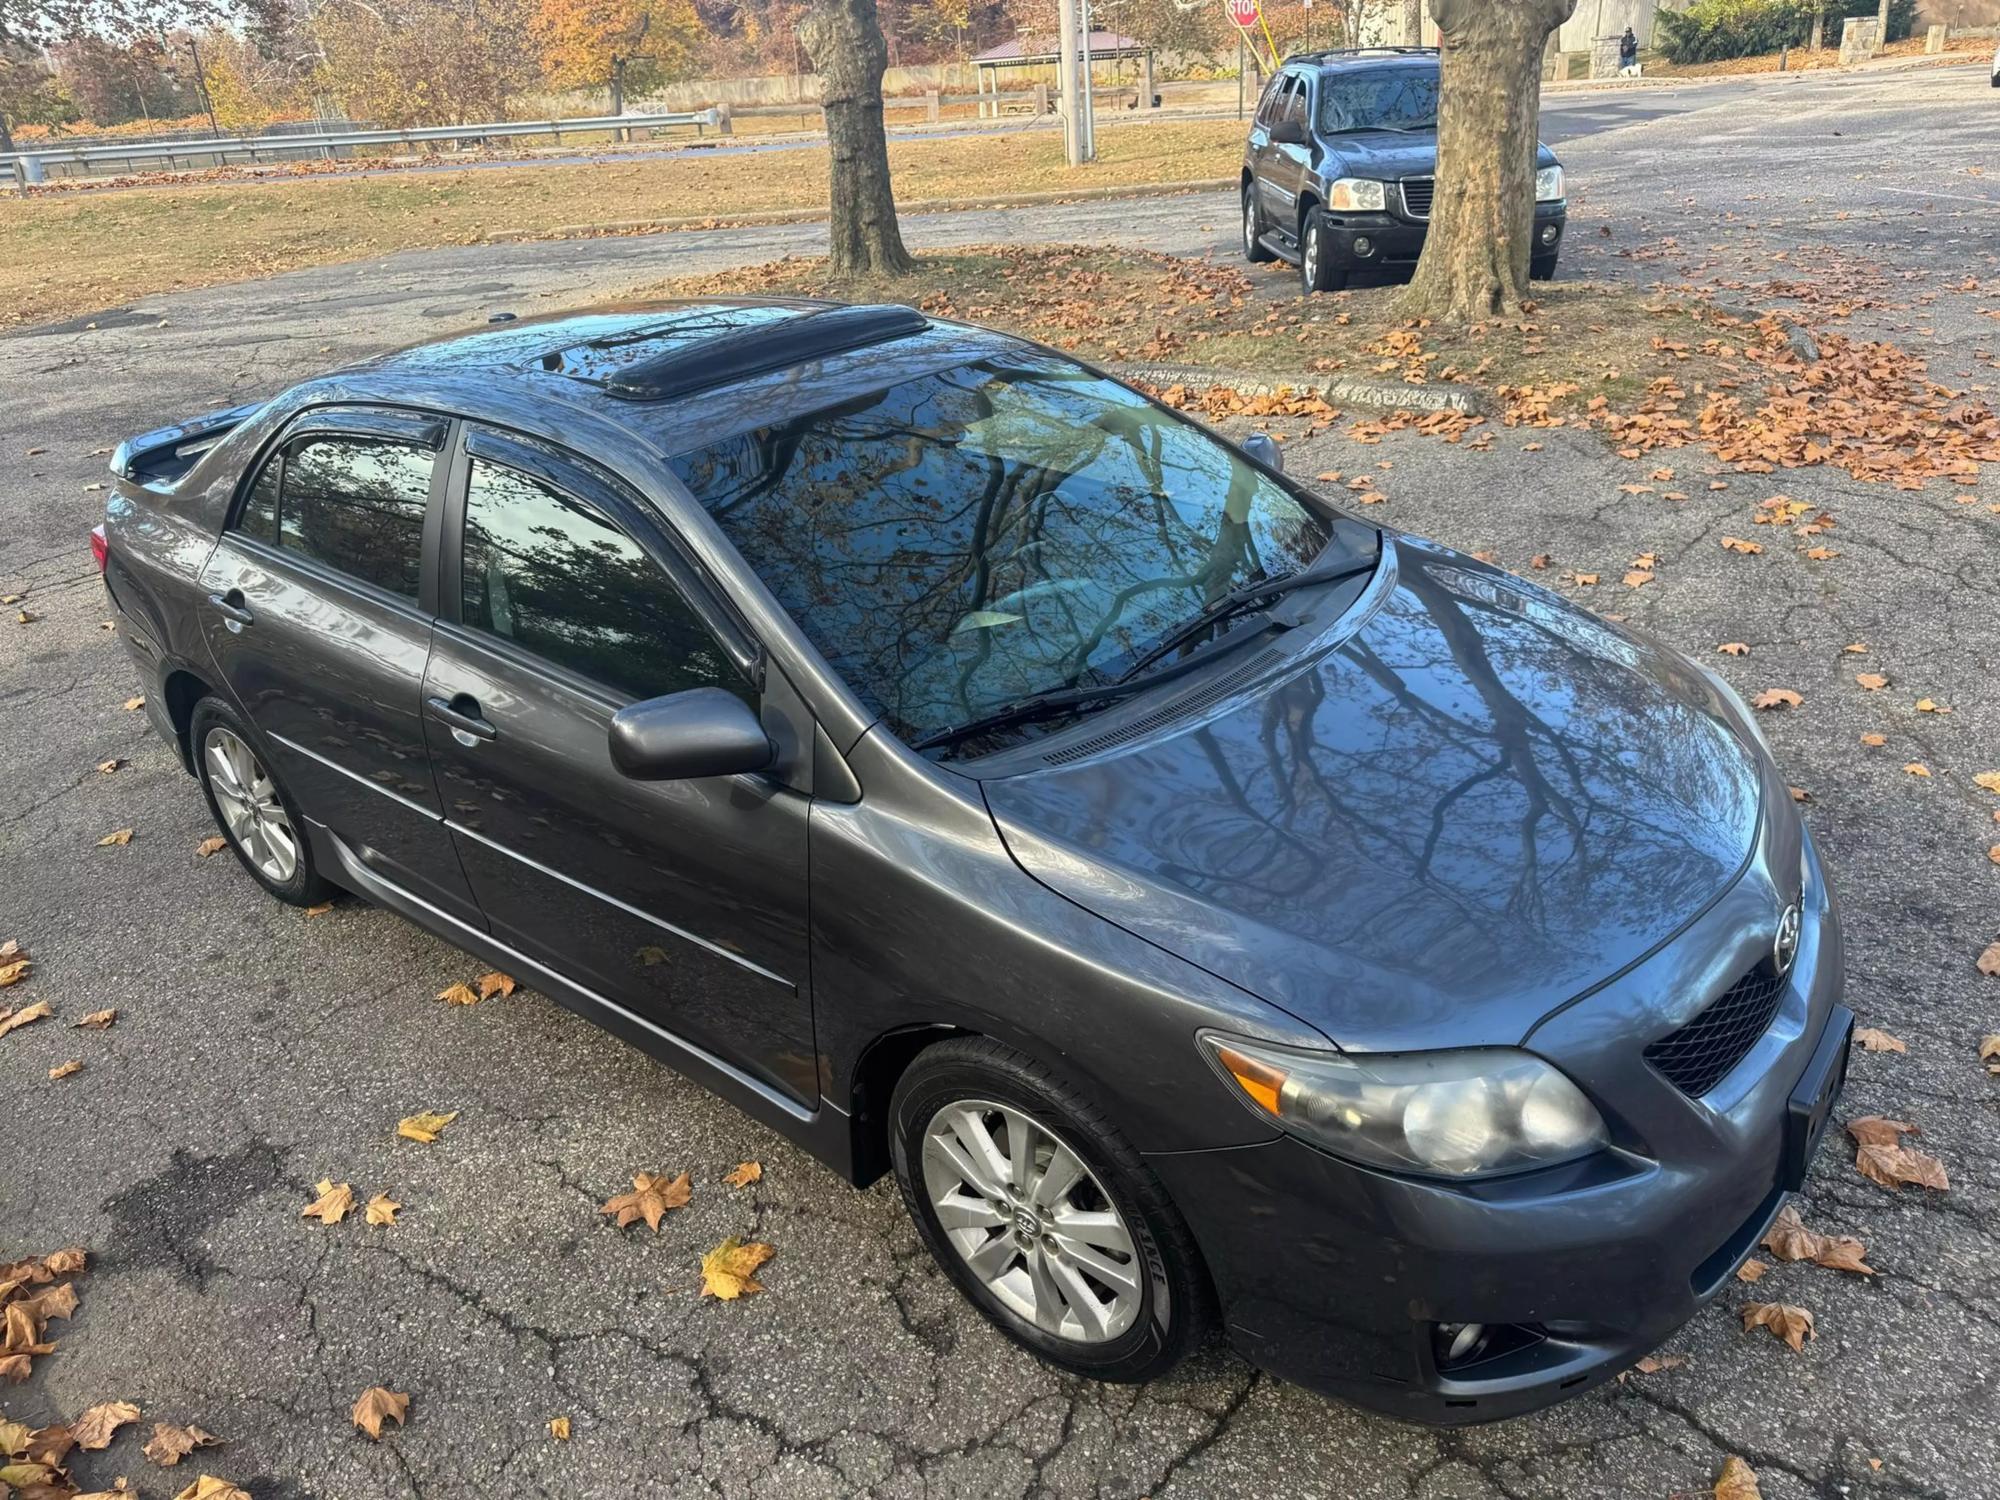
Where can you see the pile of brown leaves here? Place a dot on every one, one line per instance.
(32, 1292)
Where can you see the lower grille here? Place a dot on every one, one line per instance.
(1699, 1055)
(1417, 194)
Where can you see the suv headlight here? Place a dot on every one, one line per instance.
(1357, 195)
(1470, 1113)
(1549, 185)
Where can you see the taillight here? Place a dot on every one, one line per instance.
(100, 548)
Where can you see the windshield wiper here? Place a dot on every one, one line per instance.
(1242, 600)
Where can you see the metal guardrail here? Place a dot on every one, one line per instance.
(32, 166)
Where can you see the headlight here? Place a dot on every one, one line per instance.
(1357, 195)
(1468, 1113)
(1549, 185)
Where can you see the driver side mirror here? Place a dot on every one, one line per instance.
(1261, 446)
(705, 731)
(1288, 132)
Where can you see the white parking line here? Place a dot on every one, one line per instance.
(1928, 193)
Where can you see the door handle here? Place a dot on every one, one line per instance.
(232, 608)
(461, 714)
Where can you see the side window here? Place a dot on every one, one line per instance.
(354, 503)
(552, 574)
(1273, 107)
(1295, 102)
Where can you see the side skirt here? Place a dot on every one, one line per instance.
(827, 1132)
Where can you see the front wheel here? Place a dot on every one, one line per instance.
(254, 812)
(1316, 268)
(1542, 269)
(1046, 1217)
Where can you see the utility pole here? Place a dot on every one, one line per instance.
(1066, 82)
(1089, 97)
(1882, 25)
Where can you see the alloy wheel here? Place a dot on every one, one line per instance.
(1249, 225)
(1031, 1221)
(252, 814)
(1313, 252)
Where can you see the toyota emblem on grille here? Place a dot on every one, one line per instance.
(1786, 947)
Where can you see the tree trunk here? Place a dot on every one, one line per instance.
(1413, 23)
(1475, 260)
(844, 40)
(6, 134)
(617, 84)
(1819, 27)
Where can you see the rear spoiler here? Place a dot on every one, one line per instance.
(160, 457)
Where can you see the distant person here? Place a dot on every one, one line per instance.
(1628, 55)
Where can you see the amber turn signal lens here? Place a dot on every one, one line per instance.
(1259, 1080)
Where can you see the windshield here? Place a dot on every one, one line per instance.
(1015, 526)
(1400, 98)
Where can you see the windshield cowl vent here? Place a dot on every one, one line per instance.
(1188, 704)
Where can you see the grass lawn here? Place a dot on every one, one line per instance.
(66, 253)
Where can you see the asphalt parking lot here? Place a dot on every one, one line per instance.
(258, 1050)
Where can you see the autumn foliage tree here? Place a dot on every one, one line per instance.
(1475, 260)
(620, 44)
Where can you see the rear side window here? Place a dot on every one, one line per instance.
(355, 504)
(1295, 103)
(1273, 105)
(553, 574)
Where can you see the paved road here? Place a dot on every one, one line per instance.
(258, 1051)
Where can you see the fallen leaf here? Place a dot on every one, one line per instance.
(1873, 681)
(458, 994)
(15, 1367)
(1799, 794)
(494, 983)
(1843, 1252)
(1856, 648)
(25, 617)
(108, 766)
(1917, 768)
(1822, 554)
(1874, 739)
(214, 844)
(94, 1429)
(559, 1429)
(1881, 1157)
(1738, 1481)
(651, 1196)
(376, 1405)
(1931, 706)
(132, 705)
(1638, 578)
(63, 1070)
(1586, 580)
(382, 1209)
(1789, 1239)
(208, 1487)
(13, 967)
(333, 1203)
(1989, 961)
(424, 1127)
(1652, 1364)
(1539, 561)
(1877, 1040)
(728, 1271)
(1873, 1130)
(121, 838)
(320, 910)
(170, 1444)
(1776, 698)
(1737, 544)
(1988, 779)
(1792, 1324)
(1751, 1270)
(744, 1174)
(36, 1012)
(1733, 648)
(97, 1020)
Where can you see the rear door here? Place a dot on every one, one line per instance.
(683, 901)
(1273, 195)
(1286, 166)
(318, 612)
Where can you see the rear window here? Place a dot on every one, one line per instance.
(355, 504)
(1399, 98)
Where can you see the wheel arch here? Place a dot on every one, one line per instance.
(182, 690)
(881, 1064)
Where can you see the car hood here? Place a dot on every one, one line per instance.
(1389, 155)
(1437, 825)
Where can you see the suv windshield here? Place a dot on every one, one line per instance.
(1400, 98)
(964, 540)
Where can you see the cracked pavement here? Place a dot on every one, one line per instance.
(258, 1050)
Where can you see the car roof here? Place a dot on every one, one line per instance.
(1372, 58)
(675, 374)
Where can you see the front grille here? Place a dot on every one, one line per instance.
(1697, 1057)
(1417, 192)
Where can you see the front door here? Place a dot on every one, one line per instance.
(317, 618)
(683, 901)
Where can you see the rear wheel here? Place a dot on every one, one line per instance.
(1316, 269)
(1254, 249)
(1046, 1217)
(255, 814)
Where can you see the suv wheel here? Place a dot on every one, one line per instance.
(253, 811)
(1316, 270)
(1254, 250)
(1045, 1216)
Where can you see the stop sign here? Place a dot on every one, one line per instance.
(1242, 12)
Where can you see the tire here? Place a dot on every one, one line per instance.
(251, 807)
(1316, 270)
(1162, 1308)
(1542, 270)
(1254, 250)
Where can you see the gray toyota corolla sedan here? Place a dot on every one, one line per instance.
(1210, 906)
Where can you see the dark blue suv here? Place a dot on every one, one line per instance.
(1342, 163)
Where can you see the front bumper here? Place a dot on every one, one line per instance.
(1357, 241)
(1338, 1277)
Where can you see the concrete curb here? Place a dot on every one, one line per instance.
(815, 215)
(1340, 391)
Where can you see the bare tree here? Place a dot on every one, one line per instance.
(844, 40)
(1413, 23)
(1475, 260)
